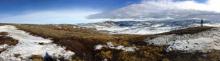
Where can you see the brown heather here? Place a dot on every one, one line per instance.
(4, 39)
(82, 42)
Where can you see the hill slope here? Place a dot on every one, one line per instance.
(84, 42)
(29, 46)
(201, 41)
(145, 27)
(92, 45)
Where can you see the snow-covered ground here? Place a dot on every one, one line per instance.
(203, 42)
(146, 27)
(133, 30)
(30, 45)
(112, 46)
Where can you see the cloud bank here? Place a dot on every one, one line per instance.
(165, 9)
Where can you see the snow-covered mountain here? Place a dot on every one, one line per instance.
(157, 16)
(146, 27)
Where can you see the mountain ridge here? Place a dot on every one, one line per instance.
(145, 27)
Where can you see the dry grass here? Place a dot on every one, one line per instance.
(79, 40)
(7, 40)
(3, 33)
(191, 30)
(213, 56)
(67, 35)
(4, 39)
(82, 41)
(37, 58)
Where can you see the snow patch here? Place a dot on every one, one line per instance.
(3, 46)
(98, 47)
(112, 46)
(155, 29)
(203, 42)
(30, 45)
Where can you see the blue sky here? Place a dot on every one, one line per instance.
(22, 10)
(7, 6)
(17, 6)
(201, 1)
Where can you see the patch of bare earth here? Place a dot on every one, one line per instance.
(4, 39)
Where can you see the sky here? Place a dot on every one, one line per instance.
(25, 5)
(76, 11)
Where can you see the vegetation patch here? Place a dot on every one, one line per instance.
(37, 58)
(82, 41)
(3, 33)
(191, 30)
(7, 40)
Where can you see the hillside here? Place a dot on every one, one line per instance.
(91, 45)
(145, 26)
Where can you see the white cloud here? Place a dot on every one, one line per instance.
(163, 9)
(50, 16)
(210, 5)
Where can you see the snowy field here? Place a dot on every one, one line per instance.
(30, 45)
(112, 46)
(134, 30)
(203, 42)
(154, 29)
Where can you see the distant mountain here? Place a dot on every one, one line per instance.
(146, 27)
(156, 17)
